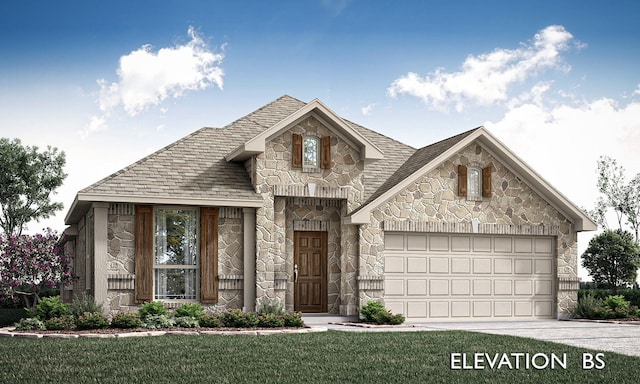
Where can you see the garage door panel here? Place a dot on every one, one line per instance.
(461, 287)
(394, 264)
(416, 264)
(460, 309)
(438, 287)
(416, 287)
(482, 266)
(460, 265)
(439, 265)
(458, 276)
(417, 309)
(394, 287)
(502, 266)
(439, 309)
(503, 308)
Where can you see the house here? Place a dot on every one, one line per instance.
(294, 203)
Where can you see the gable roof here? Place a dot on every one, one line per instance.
(430, 157)
(256, 144)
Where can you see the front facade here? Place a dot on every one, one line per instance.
(295, 204)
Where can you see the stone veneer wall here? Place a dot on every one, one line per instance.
(274, 179)
(121, 258)
(512, 209)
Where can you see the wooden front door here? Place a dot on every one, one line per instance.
(310, 271)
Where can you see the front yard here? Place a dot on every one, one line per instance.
(326, 357)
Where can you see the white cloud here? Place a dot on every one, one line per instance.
(487, 78)
(96, 124)
(563, 142)
(147, 78)
(637, 91)
(366, 111)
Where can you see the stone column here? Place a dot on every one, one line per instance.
(249, 268)
(100, 247)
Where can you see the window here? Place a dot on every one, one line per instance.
(175, 264)
(176, 254)
(310, 150)
(474, 182)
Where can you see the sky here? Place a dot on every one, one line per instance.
(109, 82)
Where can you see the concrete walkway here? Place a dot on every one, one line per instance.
(612, 337)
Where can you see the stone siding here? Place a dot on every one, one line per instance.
(277, 180)
(513, 207)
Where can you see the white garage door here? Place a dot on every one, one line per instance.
(469, 277)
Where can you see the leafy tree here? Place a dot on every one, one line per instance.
(30, 264)
(28, 178)
(612, 258)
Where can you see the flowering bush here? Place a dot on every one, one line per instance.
(30, 264)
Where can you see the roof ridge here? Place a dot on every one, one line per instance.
(146, 158)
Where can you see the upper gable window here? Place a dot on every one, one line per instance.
(474, 182)
(310, 151)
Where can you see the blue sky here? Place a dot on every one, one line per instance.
(557, 81)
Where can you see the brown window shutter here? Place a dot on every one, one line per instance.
(486, 181)
(296, 151)
(325, 153)
(462, 180)
(209, 255)
(144, 253)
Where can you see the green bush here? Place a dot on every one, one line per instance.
(158, 321)
(187, 322)
(211, 321)
(235, 318)
(375, 312)
(50, 307)
(10, 316)
(126, 320)
(92, 320)
(271, 320)
(84, 303)
(612, 307)
(293, 319)
(631, 295)
(152, 308)
(64, 322)
(194, 310)
(30, 324)
(270, 306)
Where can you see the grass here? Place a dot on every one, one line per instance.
(327, 357)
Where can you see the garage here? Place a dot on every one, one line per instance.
(440, 276)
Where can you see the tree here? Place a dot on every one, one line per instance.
(28, 179)
(612, 258)
(31, 263)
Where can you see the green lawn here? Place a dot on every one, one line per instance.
(326, 357)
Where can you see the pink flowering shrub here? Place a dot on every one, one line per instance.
(30, 264)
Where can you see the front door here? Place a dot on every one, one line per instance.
(310, 271)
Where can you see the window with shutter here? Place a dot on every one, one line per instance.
(326, 152)
(462, 180)
(486, 181)
(296, 151)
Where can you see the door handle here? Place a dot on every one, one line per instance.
(295, 273)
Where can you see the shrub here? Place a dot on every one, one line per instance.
(50, 307)
(293, 319)
(187, 322)
(30, 324)
(126, 320)
(612, 307)
(272, 306)
(194, 310)
(92, 320)
(210, 321)
(587, 306)
(375, 312)
(235, 318)
(152, 308)
(157, 321)
(631, 295)
(270, 320)
(84, 303)
(60, 323)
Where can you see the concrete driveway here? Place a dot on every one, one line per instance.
(620, 338)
